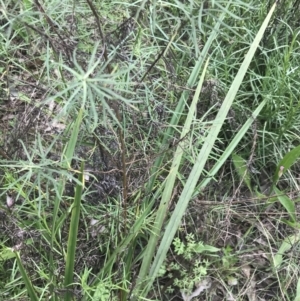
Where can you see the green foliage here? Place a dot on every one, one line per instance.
(229, 259)
(191, 247)
(297, 298)
(203, 156)
(73, 233)
(287, 203)
(168, 93)
(286, 163)
(242, 170)
(30, 289)
(285, 246)
(189, 250)
(188, 278)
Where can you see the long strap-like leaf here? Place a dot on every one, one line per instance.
(190, 185)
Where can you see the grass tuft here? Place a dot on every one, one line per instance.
(149, 150)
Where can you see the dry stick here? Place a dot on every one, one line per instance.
(161, 54)
(43, 35)
(109, 69)
(117, 112)
(152, 65)
(53, 27)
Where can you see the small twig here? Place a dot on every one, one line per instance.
(53, 27)
(43, 34)
(153, 64)
(161, 54)
(109, 69)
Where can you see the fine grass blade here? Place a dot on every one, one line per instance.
(69, 153)
(66, 162)
(169, 132)
(190, 185)
(128, 239)
(73, 234)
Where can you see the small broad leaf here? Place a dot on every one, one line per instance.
(286, 245)
(287, 161)
(287, 203)
(6, 254)
(200, 248)
(232, 281)
(241, 167)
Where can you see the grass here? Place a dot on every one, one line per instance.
(149, 151)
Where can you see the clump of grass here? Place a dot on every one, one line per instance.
(110, 148)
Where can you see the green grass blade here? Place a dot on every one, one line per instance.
(297, 298)
(68, 155)
(73, 234)
(285, 163)
(169, 186)
(203, 156)
(128, 239)
(287, 203)
(228, 151)
(286, 245)
(26, 279)
(183, 99)
(241, 168)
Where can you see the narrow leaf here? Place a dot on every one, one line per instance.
(200, 248)
(229, 149)
(73, 234)
(297, 298)
(241, 168)
(166, 195)
(202, 157)
(287, 203)
(286, 245)
(285, 163)
(26, 279)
